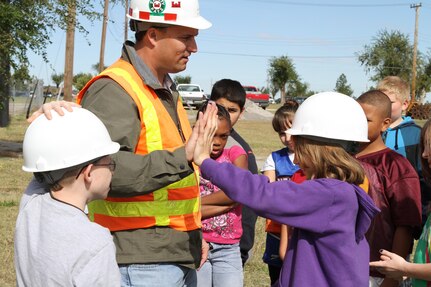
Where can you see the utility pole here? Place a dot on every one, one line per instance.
(70, 46)
(102, 45)
(126, 20)
(415, 49)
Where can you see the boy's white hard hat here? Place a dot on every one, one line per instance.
(331, 115)
(181, 13)
(65, 141)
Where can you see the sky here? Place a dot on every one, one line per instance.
(321, 37)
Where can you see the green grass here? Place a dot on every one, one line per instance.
(13, 182)
(16, 129)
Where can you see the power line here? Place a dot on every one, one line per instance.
(270, 56)
(328, 4)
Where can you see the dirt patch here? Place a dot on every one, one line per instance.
(253, 112)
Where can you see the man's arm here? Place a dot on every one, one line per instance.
(135, 174)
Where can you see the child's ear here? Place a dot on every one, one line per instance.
(87, 173)
(385, 124)
(405, 105)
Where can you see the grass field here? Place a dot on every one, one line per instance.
(13, 181)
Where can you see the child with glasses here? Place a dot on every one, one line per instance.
(55, 242)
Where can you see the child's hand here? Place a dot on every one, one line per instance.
(56, 106)
(205, 128)
(391, 264)
(204, 254)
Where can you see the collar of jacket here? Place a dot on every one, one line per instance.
(129, 54)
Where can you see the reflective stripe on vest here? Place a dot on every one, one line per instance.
(176, 205)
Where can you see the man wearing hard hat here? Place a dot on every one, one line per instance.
(153, 208)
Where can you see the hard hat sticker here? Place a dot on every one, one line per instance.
(157, 7)
(176, 4)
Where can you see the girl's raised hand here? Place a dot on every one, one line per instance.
(207, 126)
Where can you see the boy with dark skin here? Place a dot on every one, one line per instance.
(398, 192)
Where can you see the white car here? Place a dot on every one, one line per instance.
(191, 95)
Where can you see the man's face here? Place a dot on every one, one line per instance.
(174, 45)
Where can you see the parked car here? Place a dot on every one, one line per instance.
(191, 95)
(253, 94)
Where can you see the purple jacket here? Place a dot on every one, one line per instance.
(328, 247)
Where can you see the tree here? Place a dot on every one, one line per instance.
(80, 79)
(20, 78)
(264, 90)
(423, 83)
(297, 89)
(389, 54)
(27, 25)
(273, 90)
(183, 79)
(342, 86)
(281, 72)
(95, 67)
(57, 79)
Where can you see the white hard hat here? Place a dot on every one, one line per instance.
(181, 13)
(331, 115)
(65, 141)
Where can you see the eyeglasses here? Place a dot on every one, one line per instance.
(111, 165)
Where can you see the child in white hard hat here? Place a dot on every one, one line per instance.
(55, 243)
(330, 213)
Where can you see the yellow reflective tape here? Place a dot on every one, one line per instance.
(160, 194)
(162, 220)
(151, 121)
(144, 208)
(188, 181)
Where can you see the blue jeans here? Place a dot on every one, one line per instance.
(223, 267)
(157, 275)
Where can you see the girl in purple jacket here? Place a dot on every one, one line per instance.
(329, 212)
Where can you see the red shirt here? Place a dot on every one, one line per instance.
(395, 189)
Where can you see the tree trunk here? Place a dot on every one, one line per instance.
(283, 94)
(126, 20)
(4, 89)
(70, 45)
(102, 44)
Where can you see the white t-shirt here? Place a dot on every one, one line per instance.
(57, 245)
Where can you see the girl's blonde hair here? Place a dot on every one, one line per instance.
(328, 160)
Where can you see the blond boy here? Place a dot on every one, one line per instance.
(403, 134)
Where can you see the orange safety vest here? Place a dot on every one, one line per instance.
(176, 205)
